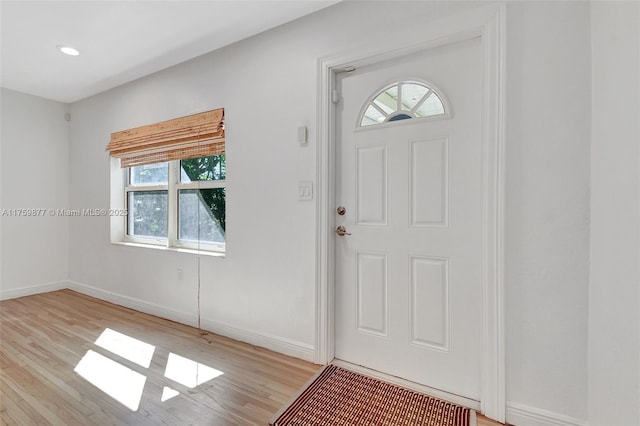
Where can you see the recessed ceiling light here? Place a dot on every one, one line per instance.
(68, 50)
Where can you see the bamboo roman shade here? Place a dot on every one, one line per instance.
(197, 135)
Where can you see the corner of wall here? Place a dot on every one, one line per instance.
(614, 294)
(32, 290)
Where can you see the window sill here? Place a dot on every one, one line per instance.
(172, 249)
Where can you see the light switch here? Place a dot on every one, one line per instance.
(305, 190)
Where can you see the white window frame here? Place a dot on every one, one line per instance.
(173, 186)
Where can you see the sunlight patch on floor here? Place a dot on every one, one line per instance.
(127, 347)
(187, 372)
(121, 383)
(126, 385)
(168, 393)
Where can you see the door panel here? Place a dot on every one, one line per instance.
(429, 195)
(430, 302)
(408, 278)
(372, 288)
(371, 186)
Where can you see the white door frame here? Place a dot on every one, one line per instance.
(489, 24)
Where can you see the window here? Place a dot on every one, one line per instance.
(401, 101)
(189, 194)
(202, 201)
(171, 179)
(147, 201)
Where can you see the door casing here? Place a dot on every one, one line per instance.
(488, 23)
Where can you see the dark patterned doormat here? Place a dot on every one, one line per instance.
(339, 397)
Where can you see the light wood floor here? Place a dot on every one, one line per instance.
(43, 338)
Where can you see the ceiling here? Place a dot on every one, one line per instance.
(120, 41)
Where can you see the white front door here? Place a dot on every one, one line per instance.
(408, 277)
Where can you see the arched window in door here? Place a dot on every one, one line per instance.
(402, 101)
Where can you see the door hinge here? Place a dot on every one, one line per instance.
(335, 96)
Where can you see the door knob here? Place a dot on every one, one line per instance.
(340, 230)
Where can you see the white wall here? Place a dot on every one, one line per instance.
(547, 212)
(35, 175)
(614, 297)
(1, 190)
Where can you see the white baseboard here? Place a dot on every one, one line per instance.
(32, 289)
(258, 338)
(274, 343)
(524, 415)
(136, 304)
